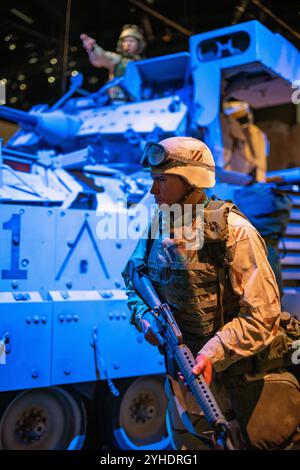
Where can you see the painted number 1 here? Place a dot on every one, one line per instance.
(14, 224)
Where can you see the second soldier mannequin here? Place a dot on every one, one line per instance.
(130, 47)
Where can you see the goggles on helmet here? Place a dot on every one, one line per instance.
(154, 155)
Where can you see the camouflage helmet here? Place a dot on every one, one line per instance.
(133, 31)
(189, 158)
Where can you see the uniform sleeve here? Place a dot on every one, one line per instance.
(135, 303)
(254, 282)
(101, 58)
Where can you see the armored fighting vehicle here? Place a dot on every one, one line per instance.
(70, 181)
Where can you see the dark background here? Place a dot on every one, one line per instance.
(28, 45)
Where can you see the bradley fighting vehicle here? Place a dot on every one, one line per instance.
(70, 360)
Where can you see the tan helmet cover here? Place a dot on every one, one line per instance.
(133, 31)
(191, 159)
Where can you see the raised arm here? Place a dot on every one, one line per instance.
(97, 55)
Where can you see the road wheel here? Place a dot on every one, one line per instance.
(136, 419)
(42, 419)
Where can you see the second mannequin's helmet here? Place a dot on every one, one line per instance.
(133, 31)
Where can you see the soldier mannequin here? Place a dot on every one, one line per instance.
(130, 46)
(226, 302)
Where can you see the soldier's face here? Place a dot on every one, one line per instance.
(168, 189)
(130, 45)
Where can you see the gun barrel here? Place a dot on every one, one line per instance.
(200, 390)
(16, 115)
(54, 127)
(203, 396)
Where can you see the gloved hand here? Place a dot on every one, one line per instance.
(87, 42)
(148, 330)
(203, 366)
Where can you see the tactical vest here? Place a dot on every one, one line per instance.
(120, 67)
(195, 283)
(116, 92)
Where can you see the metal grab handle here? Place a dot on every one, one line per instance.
(101, 361)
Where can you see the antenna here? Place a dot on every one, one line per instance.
(66, 48)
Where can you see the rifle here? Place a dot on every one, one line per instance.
(170, 338)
